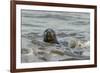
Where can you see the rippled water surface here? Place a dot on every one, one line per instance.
(70, 27)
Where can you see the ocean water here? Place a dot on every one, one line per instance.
(70, 28)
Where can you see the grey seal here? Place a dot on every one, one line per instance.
(50, 36)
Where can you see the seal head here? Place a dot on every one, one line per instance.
(50, 36)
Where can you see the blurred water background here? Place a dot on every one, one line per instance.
(68, 26)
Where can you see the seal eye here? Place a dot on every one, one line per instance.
(50, 36)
